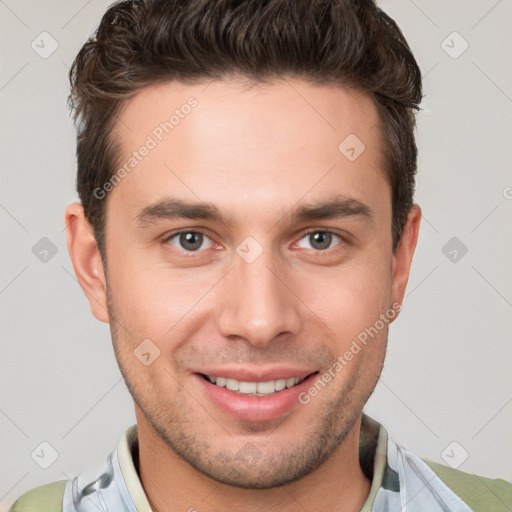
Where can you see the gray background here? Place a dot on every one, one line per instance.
(446, 390)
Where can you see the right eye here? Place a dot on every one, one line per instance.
(188, 240)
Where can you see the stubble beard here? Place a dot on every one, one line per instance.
(268, 465)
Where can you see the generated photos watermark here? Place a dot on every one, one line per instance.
(152, 140)
(356, 346)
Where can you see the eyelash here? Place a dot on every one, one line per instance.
(306, 233)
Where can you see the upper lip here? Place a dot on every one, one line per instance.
(249, 374)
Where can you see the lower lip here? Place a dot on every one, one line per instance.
(255, 408)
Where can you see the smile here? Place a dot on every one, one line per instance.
(255, 388)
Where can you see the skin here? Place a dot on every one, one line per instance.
(256, 153)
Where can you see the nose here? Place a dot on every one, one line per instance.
(258, 303)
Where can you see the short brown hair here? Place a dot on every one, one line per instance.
(348, 43)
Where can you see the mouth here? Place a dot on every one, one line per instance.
(255, 394)
(264, 388)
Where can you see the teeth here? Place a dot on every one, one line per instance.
(232, 384)
(247, 387)
(266, 387)
(255, 388)
(280, 384)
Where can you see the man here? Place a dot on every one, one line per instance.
(276, 138)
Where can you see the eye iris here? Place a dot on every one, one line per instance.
(188, 238)
(322, 238)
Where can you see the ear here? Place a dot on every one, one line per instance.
(402, 258)
(86, 260)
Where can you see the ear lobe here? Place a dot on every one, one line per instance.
(402, 258)
(86, 260)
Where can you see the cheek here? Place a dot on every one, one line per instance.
(350, 298)
(156, 302)
(358, 288)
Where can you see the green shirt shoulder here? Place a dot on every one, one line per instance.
(481, 494)
(46, 498)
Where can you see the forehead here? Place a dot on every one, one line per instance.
(269, 109)
(253, 147)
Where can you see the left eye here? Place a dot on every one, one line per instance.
(191, 241)
(320, 240)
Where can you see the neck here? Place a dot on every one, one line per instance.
(170, 483)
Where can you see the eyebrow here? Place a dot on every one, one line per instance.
(171, 208)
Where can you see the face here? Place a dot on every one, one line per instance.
(247, 252)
